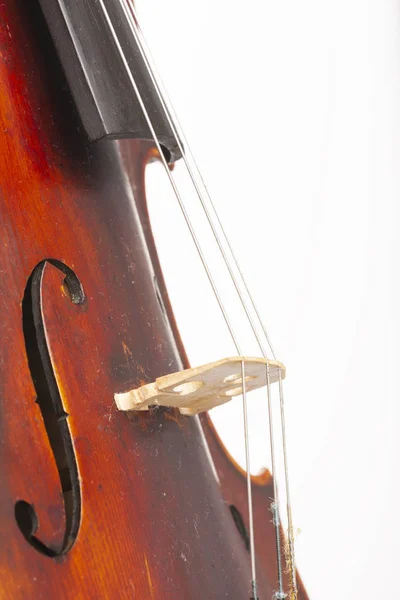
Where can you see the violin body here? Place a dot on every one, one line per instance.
(96, 503)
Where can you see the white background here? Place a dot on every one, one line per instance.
(293, 111)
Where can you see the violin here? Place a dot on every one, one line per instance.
(115, 483)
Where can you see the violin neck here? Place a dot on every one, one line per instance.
(107, 71)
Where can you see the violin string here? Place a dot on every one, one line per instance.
(178, 133)
(193, 170)
(248, 483)
(292, 566)
(205, 266)
(134, 27)
(275, 501)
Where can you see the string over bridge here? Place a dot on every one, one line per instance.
(199, 389)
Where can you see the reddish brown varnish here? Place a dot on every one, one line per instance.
(155, 522)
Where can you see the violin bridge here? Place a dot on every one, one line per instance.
(199, 389)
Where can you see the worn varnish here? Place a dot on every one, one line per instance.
(154, 522)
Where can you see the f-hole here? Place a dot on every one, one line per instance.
(241, 527)
(54, 417)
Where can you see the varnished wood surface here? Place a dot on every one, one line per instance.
(154, 521)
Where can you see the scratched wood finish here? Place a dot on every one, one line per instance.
(155, 522)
